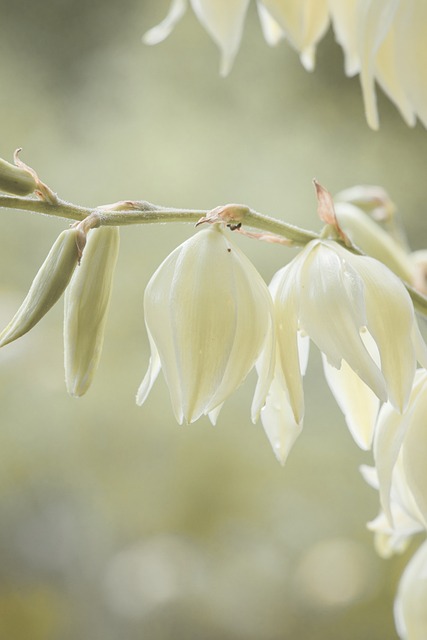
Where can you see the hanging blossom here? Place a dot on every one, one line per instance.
(382, 40)
(360, 316)
(400, 476)
(209, 317)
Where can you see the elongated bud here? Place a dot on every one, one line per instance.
(86, 305)
(16, 180)
(48, 285)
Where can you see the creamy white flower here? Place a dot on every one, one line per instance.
(403, 437)
(394, 537)
(383, 40)
(410, 610)
(334, 297)
(209, 317)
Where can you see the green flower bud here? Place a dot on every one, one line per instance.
(16, 180)
(86, 305)
(48, 285)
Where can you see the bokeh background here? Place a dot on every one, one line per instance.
(114, 521)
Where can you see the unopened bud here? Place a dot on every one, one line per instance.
(16, 180)
(48, 285)
(86, 306)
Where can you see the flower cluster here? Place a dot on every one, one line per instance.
(211, 319)
(383, 40)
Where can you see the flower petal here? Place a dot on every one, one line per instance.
(332, 310)
(285, 293)
(391, 319)
(389, 434)
(356, 400)
(410, 611)
(375, 19)
(278, 421)
(161, 31)
(223, 20)
(272, 31)
(304, 23)
(414, 453)
(151, 375)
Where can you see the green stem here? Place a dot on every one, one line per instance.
(132, 212)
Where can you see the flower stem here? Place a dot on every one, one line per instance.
(141, 212)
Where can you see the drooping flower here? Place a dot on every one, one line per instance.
(406, 520)
(383, 40)
(335, 297)
(402, 438)
(208, 315)
(410, 611)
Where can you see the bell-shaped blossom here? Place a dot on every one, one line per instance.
(403, 437)
(335, 297)
(410, 610)
(383, 40)
(209, 318)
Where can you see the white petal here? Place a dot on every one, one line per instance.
(375, 19)
(389, 434)
(411, 49)
(223, 20)
(164, 29)
(151, 375)
(284, 287)
(304, 23)
(272, 31)
(414, 452)
(265, 368)
(344, 18)
(410, 609)
(213, 415)
(279, 422)
(332, 310)
(388, 71)
(390, 321)
(356, 400)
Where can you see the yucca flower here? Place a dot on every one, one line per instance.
(383, 40)
(208, 315)
(393, 536)
(402, 438)
(336, 298)
(410, 611)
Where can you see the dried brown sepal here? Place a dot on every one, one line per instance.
(225, 214)
(265, 237)
(326, 211)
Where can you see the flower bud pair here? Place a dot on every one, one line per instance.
(48, 285)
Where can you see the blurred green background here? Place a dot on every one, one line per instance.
(114, 521)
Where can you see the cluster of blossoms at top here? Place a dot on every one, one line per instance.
(383, 40)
